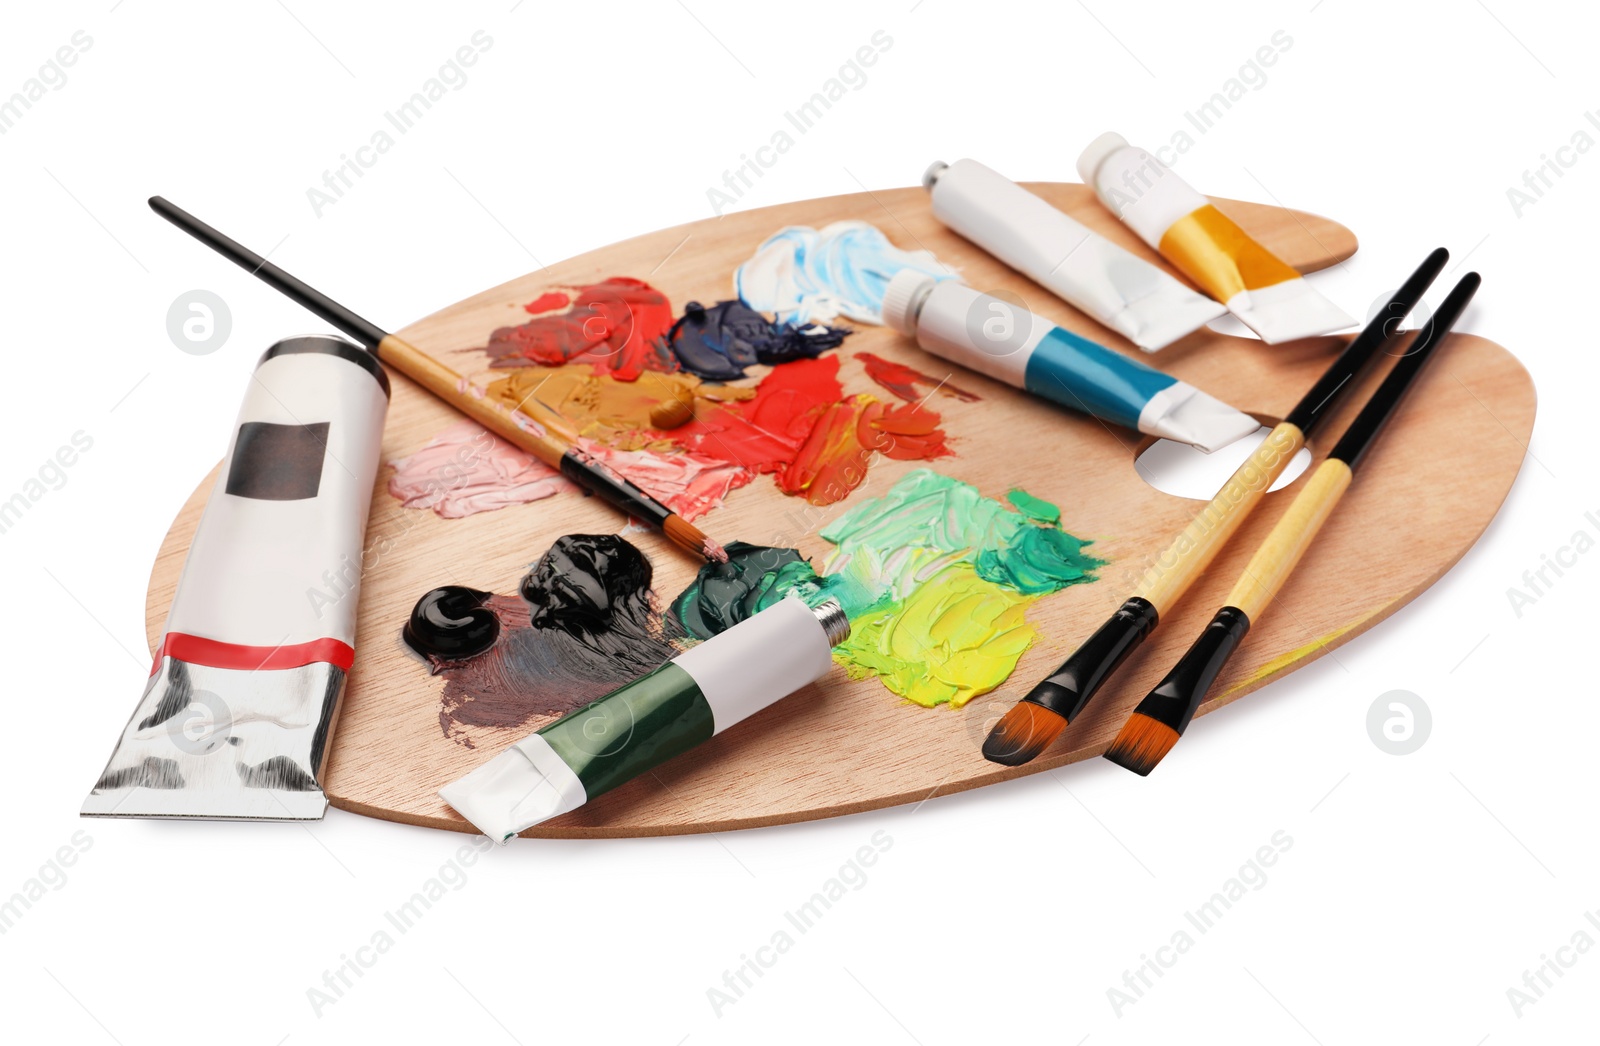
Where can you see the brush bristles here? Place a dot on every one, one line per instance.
(691, 538)
(1141, 744)
(1022, 733)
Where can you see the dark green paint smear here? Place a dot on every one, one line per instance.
(757, 576)
(632, 730)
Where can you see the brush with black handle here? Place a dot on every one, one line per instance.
(539, 431)
(1158, 722)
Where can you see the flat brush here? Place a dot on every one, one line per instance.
(1158, 722)
(546, 436)
(1035, 721)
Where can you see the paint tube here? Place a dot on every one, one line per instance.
(1262, 290)
(697, 694)
(1010, 344)
(240, 707)
(1121, 290)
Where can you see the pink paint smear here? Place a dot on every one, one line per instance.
(465, 470)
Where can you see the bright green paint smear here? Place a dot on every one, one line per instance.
(1036, 509)
(927, 521)
(961, 570)
(955, 637)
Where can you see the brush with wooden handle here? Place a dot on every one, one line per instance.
(1158, 722)
(536, 429)
(1035, 721)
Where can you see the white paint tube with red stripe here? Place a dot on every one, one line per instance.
(238, 714)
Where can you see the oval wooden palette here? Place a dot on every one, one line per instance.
(841, 746)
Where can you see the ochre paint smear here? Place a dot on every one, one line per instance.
(464, 470)
(623, 413)
(903, 381)
(955, 637)
(583, 623)
(617, 326)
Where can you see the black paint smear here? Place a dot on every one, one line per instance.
(453, 622)
(279, 772)
(585, 623)
(720, 341)
(152, 773)
(177, 696)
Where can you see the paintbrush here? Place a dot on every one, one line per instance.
(1035, 721)
(547, 437)
(1158, 722)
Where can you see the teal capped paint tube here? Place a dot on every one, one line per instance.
(1011, 344)
(665, 712)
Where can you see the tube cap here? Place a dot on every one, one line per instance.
(902, 300)
(1095, 154)
(931, 175)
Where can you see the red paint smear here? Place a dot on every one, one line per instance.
(765, 433)
(549, 301)
(801, 426)
(618, 325)
(902, 380)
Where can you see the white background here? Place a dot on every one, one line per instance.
(1417, 889)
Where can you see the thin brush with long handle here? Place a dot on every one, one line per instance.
(1158, 722)
(534, 428)
(1035, 721)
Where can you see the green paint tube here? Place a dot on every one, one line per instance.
(697, 694)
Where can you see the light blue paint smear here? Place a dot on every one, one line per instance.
(802, 275)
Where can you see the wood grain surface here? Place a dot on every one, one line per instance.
(1425, 494)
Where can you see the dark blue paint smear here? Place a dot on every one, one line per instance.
(718, 342)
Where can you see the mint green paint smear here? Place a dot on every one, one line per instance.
(928, 521)
(935, 578)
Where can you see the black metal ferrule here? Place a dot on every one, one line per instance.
(1175, 698)
(1070, 687)
(328, 345)
(596, 478)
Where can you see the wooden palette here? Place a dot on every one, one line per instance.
(1424, 495)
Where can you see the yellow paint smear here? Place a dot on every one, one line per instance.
(1285, 661)
(954, 637)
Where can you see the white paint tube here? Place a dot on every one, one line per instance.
(1138, 300)
(1267, 294)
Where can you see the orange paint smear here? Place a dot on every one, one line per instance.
(835, 457)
